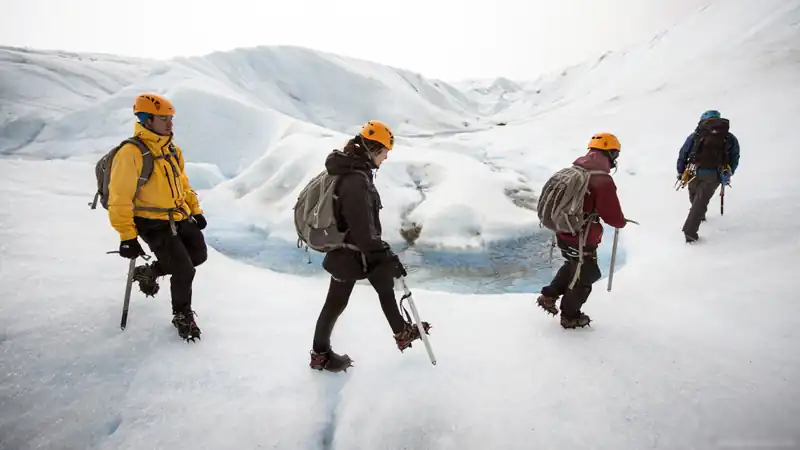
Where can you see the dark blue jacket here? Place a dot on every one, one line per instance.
(731, 146)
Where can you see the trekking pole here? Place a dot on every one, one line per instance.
(128, 288)
(423, 332)
(552, 247)
(722, 201)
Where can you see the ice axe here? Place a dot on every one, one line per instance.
(722, 200)
(423, 332)
(725, 181)
(614, 254)
(128, 287)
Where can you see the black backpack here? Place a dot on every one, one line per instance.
(710, 139)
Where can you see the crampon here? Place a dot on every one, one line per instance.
(578, 322)
(330, 361)
(548, 304)
(410, 334)
(147, 277)
(187, 327)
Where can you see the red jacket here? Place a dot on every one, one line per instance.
(601, 198)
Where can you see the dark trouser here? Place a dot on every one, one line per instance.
(176, 255)
(338, 296)
(574, 298)
(701, 190)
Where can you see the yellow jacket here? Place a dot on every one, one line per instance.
(167, 188)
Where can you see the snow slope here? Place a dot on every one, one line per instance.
(275, 109)
(693, 348)
(696, 366)
(274, 140)
(41, 87)
(255, 86)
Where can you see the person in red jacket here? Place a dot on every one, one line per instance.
(601, 200)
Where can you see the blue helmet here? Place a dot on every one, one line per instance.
(710, 114)
(143, 117)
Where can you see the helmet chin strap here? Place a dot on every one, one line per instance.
(371, 156)
(612, 160)
(150, 128)
(614, 164)
(368, 153)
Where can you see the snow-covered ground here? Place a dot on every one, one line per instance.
(694, 348)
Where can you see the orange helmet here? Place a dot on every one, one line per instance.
(605, 142)
(153, 104)
(378, 131)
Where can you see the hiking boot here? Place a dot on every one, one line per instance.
(690, 238)
(548, 304)
(147, 277)
(580, 321)
(187, 327)
(409, 334)
(330, 361)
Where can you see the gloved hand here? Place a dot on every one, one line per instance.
(131, 249)
(725, 178)
(680, 175)
(397, 267)
(200, 221)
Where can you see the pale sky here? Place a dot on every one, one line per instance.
(444, 39)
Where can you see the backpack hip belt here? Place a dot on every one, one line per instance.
(170, 213)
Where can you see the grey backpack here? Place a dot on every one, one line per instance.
(560, 206)
(102, 171)
(315, 215)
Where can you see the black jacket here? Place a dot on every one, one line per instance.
(358, 206)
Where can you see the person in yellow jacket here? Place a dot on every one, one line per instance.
(165, 212)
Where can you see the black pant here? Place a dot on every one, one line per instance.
(701, 190)
(574, 298)
(176, 255)
(338, 297)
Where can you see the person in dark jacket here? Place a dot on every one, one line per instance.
(601, 199)
(706, 173)
(357, 208)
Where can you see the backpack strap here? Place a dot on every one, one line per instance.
(726, 156)
(583, 236)
(148, 163)
(171, 152)
(696, 139)
(364, 266)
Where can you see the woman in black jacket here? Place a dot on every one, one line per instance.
(357, 209)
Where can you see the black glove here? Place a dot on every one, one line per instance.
(397, 267)
(130, 249)
(200, 221)
(680, 175)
